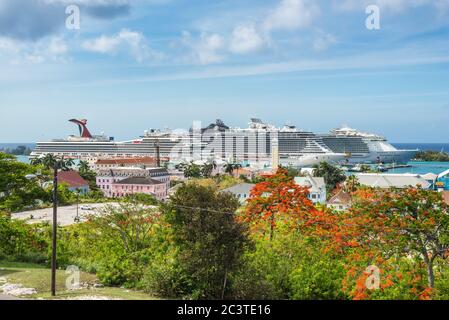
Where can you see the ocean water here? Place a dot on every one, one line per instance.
(423, 168)
(24, 159)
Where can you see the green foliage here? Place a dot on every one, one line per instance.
(118, 244)
(19, 151)
(332, 175)
(191, 170)
(89, 175)
(432, 156)
(141, 198)
(20, 241)
(290, 267)
(210, 241)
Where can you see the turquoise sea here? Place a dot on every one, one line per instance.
(423, 168)
(24, 159)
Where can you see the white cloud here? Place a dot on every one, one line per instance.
(292, 15)
(57, 46)
(18, 52)
(134, 42)
(245, 39)
(103, 44)
(323, 41)
(205, 50)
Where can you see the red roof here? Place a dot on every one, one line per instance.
(72, 179)
(341, 197)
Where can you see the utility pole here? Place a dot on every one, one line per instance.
(55, 228)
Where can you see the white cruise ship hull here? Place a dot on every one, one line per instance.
(309, 160)
(398, 156)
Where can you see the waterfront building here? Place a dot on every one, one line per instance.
(316, 186)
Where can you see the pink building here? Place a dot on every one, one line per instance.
(106, 178)
(139, 185)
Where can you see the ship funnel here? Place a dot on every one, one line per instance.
(84, 132)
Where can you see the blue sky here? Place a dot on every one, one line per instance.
(135, 65)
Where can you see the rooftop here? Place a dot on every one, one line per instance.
(387, 180)
(241, 188)
(341, 197)
(72, 179)
(140, 181)
(316, 184)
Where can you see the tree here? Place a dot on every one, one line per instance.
(191, 170)
(332, 175)
(50, 161)
(12, 175)
(409, 222)
(207, 169)
(209, 238)
(351, 184)
(278, 197)
(230, 167)
(120, 242)
(87, 174)
(16, 191)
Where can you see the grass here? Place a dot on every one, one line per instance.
(38, 277)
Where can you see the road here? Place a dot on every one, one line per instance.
(66, 215)
(5, 297)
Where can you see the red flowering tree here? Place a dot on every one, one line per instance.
(390, 228)
(278, 197)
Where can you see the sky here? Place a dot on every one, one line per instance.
(133, 65)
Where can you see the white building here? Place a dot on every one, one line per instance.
(317, 188)
(242, 191)
(392, 180)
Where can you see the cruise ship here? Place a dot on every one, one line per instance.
(361, 147)
(90, 147)
(259, 145)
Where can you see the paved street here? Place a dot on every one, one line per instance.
(66, 215)
(5, 297)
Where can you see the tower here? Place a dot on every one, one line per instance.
(275, 154)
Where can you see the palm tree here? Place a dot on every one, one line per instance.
(83, 166)
(230, 167)
(208, 168)
(332, 175)
(50, 161)
(352, 183)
